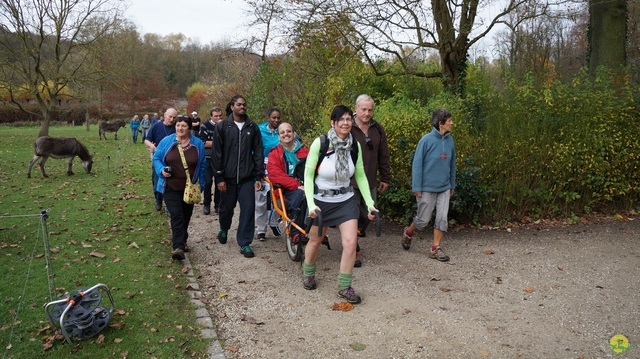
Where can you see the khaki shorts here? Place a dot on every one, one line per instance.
(426, 204)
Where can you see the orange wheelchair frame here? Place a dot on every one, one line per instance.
(294, 250)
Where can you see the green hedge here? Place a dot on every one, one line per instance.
(525, 152)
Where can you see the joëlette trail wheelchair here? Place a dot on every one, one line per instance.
(295, 246)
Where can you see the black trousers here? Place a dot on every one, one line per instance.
(180, 215)
(207, 187)
(245, 195)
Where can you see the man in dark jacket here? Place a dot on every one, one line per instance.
(207, 130)
(375, 155)
(238, 164)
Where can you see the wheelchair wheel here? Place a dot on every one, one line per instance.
(295, 250)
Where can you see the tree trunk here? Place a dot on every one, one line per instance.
(607, 33)
(86, 119)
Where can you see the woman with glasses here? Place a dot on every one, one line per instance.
(328, 192)
(281, 167)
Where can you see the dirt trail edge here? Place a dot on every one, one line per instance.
(530, 292)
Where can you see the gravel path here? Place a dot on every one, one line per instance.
(529, 292)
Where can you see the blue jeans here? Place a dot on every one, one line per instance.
(134, 135)
(244, 194)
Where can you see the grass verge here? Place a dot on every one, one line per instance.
(102, 228)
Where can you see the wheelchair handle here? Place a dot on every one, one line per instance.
(378, 224)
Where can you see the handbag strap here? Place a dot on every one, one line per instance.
(184, 162)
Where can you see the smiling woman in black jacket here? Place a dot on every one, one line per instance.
(237, 163)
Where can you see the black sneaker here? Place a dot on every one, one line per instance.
(350, 295)
(178, 254)
(246, 251)
(276, 231)
(222, 236)
(206, 209)
(262, 237)
(309, 282)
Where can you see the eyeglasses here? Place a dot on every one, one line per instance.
(344, 120)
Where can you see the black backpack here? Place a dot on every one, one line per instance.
(324, 147)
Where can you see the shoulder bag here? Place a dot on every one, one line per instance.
(192, 194)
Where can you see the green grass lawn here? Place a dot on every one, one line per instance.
(102, 228)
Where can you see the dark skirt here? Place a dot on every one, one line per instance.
(334, 214)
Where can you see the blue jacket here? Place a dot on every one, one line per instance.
(166, 145)
(434, 163)
(269, 138)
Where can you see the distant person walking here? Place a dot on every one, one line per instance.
(238, 163)
(159, 131)
(145, 125)
(207, 131)
(433, 180)
(134, 125)
(195, 122)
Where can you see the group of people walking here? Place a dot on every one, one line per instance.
(338, 176)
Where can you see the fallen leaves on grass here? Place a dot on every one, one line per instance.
(342, 306)
(97, 254)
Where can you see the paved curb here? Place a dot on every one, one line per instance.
(202, 314)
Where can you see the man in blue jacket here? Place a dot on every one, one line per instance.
(238, 170)
(158, 131)
(433, 180)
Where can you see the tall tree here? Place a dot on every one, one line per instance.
(401, 31)
(607, 33)
(46, 45)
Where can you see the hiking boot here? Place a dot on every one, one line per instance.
(406, 239)
(276, 231)
(361, 233)
(158, 205)
(246, 251)
(309, 282)
(186, 248)
(439, 255)
(262, 237)
(178, 254)
(206, 209)
(350, 295)
(222, 236)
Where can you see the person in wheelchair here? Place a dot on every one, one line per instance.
(281, 167)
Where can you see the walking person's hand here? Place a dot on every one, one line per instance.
(222, 186)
